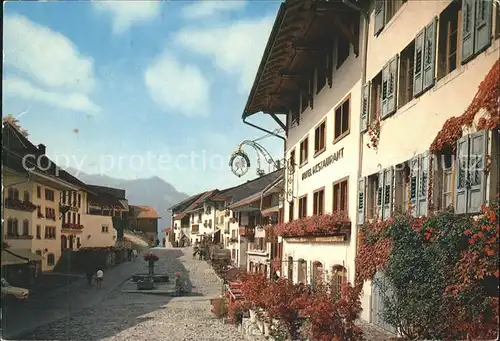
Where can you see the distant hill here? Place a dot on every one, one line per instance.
(154, 192)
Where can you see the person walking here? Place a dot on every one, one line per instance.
(99, 277)
(134, 255)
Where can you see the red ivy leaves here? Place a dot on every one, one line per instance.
(316, 225)
(486, 98)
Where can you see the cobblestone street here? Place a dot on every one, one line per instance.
(119, 316)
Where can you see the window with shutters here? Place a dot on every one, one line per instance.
(445, 181)
(401, 188)
(342, 117)
(372, 197)
(449, 36)
(470, 178)
(319, 201)
(320, 138)
(343, 49)
(477, 24)
(376, 98)
(304, 151)
(340, 196)
(384, 12)
(406, 69)
(292, 158)
(291, 207)
(303, 207)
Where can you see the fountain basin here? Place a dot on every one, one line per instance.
(157, 278)
(145, 285)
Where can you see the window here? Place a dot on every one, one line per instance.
(372, 198)
(402, 187)
(376, 103)
(104, 229)
(384, 11)
(74, 217)
(39, 192)
(320, 138)
(342, 113)
(291, 207)
(302, 271)
(406, 65)
(340, 193)
(78, 218)
(38, 232)
(304, 148)
(79, 200)
(339, 278)
(50, 232)
(13, 193)
(445, 180)
(470, 184)
(51, 259)
(26, 227)
(449, 35)
(319, 201)
(304, 103)
(303, 207)
(343, 49)
(49, 194)
(322, 73)
(476, 28)
(26, 196)
(50, 213)
(12, 227)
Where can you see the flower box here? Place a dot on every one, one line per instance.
(336, 224)
(151, 257)
(20, 205)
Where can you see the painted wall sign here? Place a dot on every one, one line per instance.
(323, 164)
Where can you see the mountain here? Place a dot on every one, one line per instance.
(154, 192)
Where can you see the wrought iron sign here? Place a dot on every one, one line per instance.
(289, 180)
(239, 163)
(323, 164)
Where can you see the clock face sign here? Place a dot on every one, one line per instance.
(239, 163)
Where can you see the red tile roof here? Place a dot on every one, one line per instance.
(146, 212)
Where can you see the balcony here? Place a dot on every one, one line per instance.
(247, 231)
(258, 252)
(70, 226)
(16, 204)
(19, 237)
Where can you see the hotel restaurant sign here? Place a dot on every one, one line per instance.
(323, 164)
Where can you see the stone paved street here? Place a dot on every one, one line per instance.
(119, 316)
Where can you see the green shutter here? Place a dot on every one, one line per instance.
(418, 62)
(468, 29)
(483, 25)
(478, 146)
(365, 107)
(429, 67)
(379, 16)
(392, 87)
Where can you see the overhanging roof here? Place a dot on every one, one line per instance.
(302, 35)
(11, 259)
(25, 254)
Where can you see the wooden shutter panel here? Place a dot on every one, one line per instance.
(423, 183)
(414, 170)
(483, 25)
(478, 146)
(392, 85)
(388, 188)
(361, 201)
(379, 16)
(365, 107)
(385, 88)
(429, 68)
(461, 175)
(418, 62)
(468, 25)
(380, 195)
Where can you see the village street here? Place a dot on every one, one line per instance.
(78, 312)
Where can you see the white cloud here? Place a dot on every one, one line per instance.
(16, 87)
(127, 13)
(236, 48)
(45, 55)
(178, 87)
(204, 9)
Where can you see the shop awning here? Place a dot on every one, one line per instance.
(25, 254)
(11, 259)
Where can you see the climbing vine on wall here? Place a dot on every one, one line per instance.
(486, 103)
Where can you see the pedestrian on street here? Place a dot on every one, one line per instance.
(134, 255)
(99, 278)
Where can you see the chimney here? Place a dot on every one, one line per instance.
(41, 148)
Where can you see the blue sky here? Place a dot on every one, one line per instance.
(153, 88)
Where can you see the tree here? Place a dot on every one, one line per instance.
(15, 122)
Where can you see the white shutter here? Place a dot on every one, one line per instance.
(385, 91)
(365, 107)
(414, 167)
(388, 189)
(392, 85)
(361, 201)
(380, 196)
(423, 182)
(478, 146)
(418, 62)
(461, 175)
